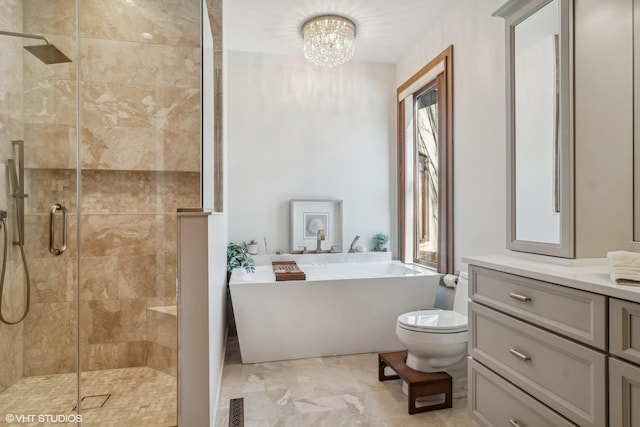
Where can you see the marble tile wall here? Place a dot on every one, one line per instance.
(49, 91)
(128, 263)
(11, 118)
(140, 160)
(140, 86)
(140, 151)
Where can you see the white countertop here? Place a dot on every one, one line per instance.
(587, 275)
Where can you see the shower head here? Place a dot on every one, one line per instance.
(47, 53)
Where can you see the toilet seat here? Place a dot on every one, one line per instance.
(433, 321)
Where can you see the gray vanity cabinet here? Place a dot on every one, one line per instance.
(556, 344)
(624, 394)
(569, 87)
(573, 313)
(496, 402)
(624, 329)
(539, 338)
(624, 370)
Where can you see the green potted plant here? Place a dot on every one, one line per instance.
(237, 256)
(381, 240)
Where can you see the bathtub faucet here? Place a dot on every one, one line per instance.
(320, 237)
(351, 249)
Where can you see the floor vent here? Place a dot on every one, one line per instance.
(95, 401)
(236, 412)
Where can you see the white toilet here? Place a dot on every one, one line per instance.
(436, 339)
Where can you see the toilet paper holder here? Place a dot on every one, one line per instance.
(449, 281)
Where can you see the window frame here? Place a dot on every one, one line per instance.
(444, 81)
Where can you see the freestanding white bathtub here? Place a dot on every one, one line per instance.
(342, 308)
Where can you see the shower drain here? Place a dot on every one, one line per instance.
(95, 401)
(236, 412)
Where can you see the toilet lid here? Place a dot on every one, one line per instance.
(443, 321)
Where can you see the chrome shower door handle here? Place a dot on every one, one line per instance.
(52, 230)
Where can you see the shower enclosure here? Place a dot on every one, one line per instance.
(96, 154)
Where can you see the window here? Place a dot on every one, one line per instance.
(425, 165)
(425, 136)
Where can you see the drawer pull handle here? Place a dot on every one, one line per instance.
(514, 423)
(519, 355)
(519, 297)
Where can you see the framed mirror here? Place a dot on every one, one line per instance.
(539, 126)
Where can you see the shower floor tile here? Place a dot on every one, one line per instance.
(326, 391)
(139, 397)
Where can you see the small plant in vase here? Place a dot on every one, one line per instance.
(381, 240)
(237, 256)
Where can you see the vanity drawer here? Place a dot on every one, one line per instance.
(624, 394)
(566, 376)
(496, 402)
(624, 329)
(576, 314)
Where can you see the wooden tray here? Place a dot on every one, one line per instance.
(287, 270)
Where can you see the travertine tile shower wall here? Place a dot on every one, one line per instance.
(140, 160)
(11, 337)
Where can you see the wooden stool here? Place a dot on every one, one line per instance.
(420, 383)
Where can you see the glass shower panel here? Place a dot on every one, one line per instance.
(140, 161)
(99, 338)
(38, 116)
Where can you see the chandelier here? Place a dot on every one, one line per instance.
(328, 40)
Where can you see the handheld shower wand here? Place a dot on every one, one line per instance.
(17, 184)
(351, 247)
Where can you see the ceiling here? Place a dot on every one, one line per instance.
(385, 29)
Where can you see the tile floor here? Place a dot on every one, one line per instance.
(328, 391)
(140, 397)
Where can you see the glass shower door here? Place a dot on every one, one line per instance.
(102, 151)
(140, 139)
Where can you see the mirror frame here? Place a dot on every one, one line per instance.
(515, 12)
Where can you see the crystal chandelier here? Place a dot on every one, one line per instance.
(328, 40)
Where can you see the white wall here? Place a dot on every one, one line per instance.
(299, 131)
(217, 305)
(479, 120)
(278, 151)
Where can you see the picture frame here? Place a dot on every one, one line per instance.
(308, 218)
(314, 223)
